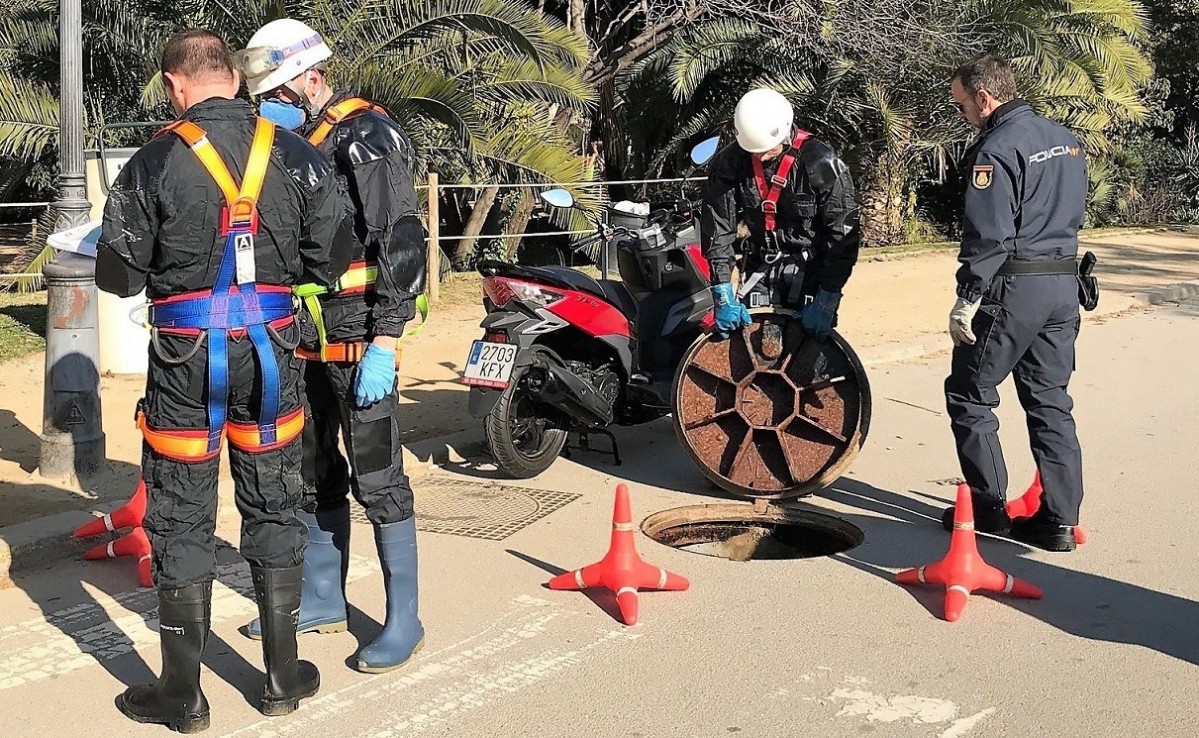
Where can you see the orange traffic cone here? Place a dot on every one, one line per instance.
(143, 569)
(963, 570)
(621, 570)
(1029, 502)
(129, 514)
(135, 543)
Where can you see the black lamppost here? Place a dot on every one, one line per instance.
(72, 432)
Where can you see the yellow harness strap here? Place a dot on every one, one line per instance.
(339, 112)
(242, 203)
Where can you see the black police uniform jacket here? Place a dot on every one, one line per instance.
(1025, 196)
(162, 221)
(817, 210)
(373, 160)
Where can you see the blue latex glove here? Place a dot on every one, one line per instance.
(820, 315)
(376, 376)
(731, 315)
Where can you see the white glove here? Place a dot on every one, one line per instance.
(960, 320)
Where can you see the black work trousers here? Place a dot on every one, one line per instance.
(181, 513)
(375, 471)
(1026, 327)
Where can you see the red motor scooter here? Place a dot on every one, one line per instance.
(563, 352)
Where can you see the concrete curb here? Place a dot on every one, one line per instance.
(38, 541)
(1172, 293)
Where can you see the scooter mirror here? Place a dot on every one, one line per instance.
(704, 150)
(558, 198)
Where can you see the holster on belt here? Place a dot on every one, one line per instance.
(1088, 286)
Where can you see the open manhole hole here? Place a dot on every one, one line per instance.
(737, 533)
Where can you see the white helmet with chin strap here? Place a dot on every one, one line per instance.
(279, 52)
(763, 120)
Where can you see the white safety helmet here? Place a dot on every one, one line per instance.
(763, 120)
(279, 52)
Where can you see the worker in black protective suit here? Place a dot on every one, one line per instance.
(797, 198)
(1019, 288)
(216, 218)
(351, 343)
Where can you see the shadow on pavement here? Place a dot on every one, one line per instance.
(904, 533)
(603, 598)
(64, 591)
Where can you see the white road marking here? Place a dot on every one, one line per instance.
(85, 634)
(453, 680)
(963, 726)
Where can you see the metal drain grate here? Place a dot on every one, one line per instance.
(459, 507)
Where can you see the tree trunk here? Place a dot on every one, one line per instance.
(885, 200)
(474, 226)
(518, 222)
(578, 16)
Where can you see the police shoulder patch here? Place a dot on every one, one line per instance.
(983, 177)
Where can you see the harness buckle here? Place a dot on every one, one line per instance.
(242, 215)
(777, 181)
(770, 207)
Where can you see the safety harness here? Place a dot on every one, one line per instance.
(235, 306)
(361, 275)
(770, 191)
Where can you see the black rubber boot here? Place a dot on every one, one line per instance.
(326, 563)
(288, 680)
(1044, 532)
(987, 518)
(176, 700)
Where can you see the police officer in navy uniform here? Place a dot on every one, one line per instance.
(216, 218)
(797, 198)
(1017, 309)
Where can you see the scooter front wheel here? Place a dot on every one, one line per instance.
(522, 443)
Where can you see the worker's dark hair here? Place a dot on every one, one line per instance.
(197, 54)
(988, 73)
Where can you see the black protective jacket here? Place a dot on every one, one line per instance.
(373, 159)
(817, 211)
(1025, 196)
(163, 216)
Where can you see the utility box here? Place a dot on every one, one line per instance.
(124, 343)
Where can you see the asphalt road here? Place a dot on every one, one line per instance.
(771, 649)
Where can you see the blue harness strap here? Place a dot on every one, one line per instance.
(231, 306)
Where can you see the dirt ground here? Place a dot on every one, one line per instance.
(895, 307)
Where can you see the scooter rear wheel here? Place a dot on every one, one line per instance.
(522, 443)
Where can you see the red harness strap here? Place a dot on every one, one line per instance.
(770, 191)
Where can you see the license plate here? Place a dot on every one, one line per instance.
(489, 364)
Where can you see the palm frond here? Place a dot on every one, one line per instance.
(28, 119)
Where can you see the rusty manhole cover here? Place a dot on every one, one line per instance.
(473, 509)
(770, 413)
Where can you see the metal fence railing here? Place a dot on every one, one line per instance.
(13, 240)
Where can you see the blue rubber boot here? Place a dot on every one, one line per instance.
(326, 562)
(402, 633)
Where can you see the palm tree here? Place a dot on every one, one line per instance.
(475, 83)
(1080, 62)
(871, 78)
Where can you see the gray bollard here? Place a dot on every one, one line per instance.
(72, 433)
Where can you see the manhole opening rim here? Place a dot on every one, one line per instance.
(743, 513)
